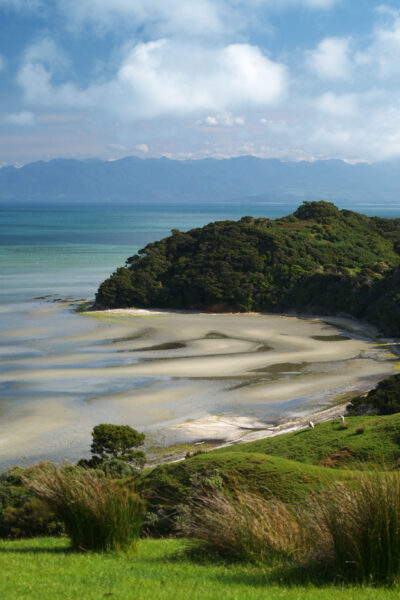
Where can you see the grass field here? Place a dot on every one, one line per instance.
(45, 569)
(287, 467)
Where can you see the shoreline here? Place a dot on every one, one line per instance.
(168, 456)
(187, 379)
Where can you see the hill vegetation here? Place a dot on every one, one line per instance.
(319, 259)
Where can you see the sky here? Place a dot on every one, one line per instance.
(287, 79)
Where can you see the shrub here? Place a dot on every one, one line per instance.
(384, 399)
(358, 527)
(21, 513)
(243, 525)
(98, 512)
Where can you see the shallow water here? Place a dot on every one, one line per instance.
(176, 376)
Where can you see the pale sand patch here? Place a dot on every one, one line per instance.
(22, 427)
(354, 375)
(151, 404)
(21, 333)
(207, 366)
(197, 381)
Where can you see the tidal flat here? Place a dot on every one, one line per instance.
(180, 377)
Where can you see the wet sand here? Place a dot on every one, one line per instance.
(180, 377)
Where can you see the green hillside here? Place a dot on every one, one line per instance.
(370, 440)
(318, 259)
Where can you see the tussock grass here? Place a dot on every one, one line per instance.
(352, 528)
(242, 525)
(99, 513)
(358, 527)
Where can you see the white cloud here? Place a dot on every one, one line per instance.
(226, 119)
(161, 17)
(381, 56)
(210, 121)
(45, 52)
(166, 78)
(142, 147)
(330, 59)
(21, 119)
(340, 105)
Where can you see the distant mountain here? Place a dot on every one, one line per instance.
(135, 179)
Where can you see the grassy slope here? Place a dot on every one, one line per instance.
(332, 446)
(286, 479)
(289, 464)
(44, 569)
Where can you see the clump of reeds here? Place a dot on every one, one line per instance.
(243, 525)
(98, 512)
(358, 522)
(352, 527)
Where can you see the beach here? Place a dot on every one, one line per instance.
(180, 377)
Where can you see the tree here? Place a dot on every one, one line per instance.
(118, 442)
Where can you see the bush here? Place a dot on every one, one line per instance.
(358, 527)
(22, 515)
(98, 512)
(384, 399)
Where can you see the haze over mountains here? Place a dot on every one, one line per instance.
(212, 180)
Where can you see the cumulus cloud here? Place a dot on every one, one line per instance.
(142, 147)
(226, 119)
(382, 54)
(167, 78)
(340, 105)
(330, 59)
(21, 119)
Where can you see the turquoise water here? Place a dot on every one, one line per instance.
(68, 250)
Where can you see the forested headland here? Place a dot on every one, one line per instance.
(318, 260)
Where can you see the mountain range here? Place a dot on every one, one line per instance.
(209, 180)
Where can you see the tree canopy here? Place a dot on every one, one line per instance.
(319, 259)
(117, 442)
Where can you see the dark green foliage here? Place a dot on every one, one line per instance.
(116, 442)
(23, 515)
(384, 399)
(319, 259)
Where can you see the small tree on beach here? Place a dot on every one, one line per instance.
(117, 442)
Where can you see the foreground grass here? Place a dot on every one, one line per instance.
(45, 568)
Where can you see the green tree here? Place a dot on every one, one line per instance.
(118, 442)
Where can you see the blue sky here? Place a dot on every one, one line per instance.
(292, 79)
